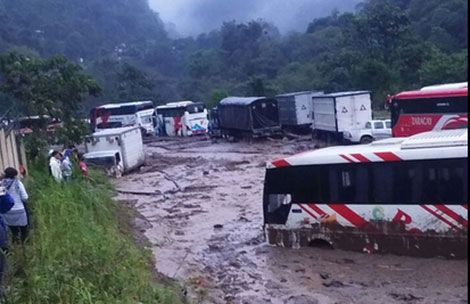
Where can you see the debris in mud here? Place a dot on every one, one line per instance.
(324, 275)
(333, 283)
(302, 299)
(247, 187)
(405, 297)
(218, 226)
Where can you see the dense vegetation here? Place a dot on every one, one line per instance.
(80, 250)
(385, 46)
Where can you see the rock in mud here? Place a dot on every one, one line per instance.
(218, 226)
(405, 297)
(324, 275)
(302, 299)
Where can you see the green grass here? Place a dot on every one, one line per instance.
(78, 252)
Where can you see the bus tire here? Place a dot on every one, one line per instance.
(366, 139)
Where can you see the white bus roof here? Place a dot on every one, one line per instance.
(423, 146)
(123, 104)
(459, 85)
(176, 104)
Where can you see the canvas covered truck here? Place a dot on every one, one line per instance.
(336, 113)
(117, 151)
(249, 117)
(296, 110)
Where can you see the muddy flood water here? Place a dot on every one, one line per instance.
(201, 207)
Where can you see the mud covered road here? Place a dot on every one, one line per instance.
(201, 206)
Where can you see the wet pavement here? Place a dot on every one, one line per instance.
(201, 204)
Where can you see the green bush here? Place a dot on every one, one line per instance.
(77, 251)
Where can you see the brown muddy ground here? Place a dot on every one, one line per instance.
(201, 207)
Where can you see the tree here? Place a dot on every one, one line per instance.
(54, 87)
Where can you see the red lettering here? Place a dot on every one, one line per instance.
(402, 217)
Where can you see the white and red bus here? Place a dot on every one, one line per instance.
(127, 114)
(399, 195)
(431, 108)
(182, 118)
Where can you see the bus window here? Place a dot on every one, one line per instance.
(403, 181)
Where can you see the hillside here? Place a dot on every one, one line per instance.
(385, 46)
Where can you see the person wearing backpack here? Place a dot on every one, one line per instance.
(6, 202)
(16, 218)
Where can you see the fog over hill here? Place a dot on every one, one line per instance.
(192, 17)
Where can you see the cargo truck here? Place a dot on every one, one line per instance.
(337, 113)
(296, 110)
(117, 150)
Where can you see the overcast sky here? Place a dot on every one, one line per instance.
(192, 17)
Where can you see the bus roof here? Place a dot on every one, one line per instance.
(437, 93)
(451, 144)
(178, 104)
(124, 104)
(458, 85)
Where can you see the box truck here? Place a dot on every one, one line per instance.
(117, 150)
(296, 109)
(336, 113)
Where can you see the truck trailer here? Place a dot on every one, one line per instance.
(296, 109)
(336, 113)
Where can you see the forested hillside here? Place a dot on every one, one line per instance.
(385, 46)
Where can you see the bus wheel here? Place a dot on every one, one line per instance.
(366, 139)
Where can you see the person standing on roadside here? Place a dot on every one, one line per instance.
(6, 204)
(55, 166)
(67, 166)
(83, 166)
(16, 218)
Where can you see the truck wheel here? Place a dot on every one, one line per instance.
(366, 139)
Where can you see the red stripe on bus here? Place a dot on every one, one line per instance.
(349, 215)
(453, 215)
(308, 211)
(388, 156)
(439, 216)
(346, 158)
(280, 163)
(317, 210)
(360, 158)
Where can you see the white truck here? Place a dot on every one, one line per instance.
(117, 150)
(373, 130)
(295, 109)
(336, 113)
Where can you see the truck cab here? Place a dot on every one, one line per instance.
(373, 130)
(109, 161)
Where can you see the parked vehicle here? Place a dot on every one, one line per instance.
(373, 130)
(445, 86)
(249, 116)
(398, 195)
(118, 150)
(26, 125)
(296, 109)
(433, 108)
(336, 113)
(182, 118)
(214, 123)
(118, 115)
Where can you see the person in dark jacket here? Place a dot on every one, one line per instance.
(16, 218)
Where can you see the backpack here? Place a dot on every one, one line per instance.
(6, 202)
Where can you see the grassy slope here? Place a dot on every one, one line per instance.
(77, 252)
